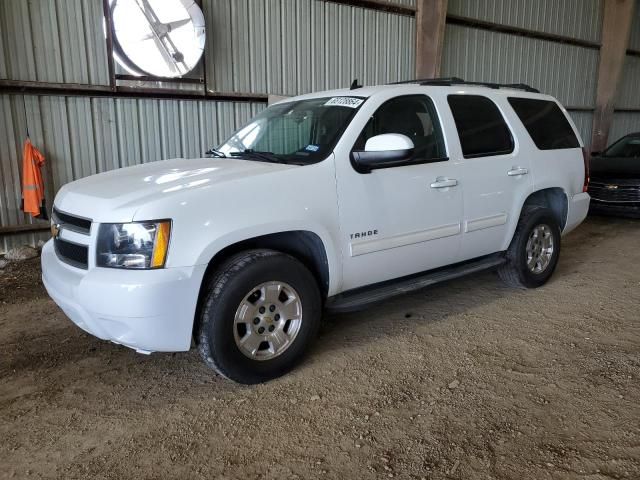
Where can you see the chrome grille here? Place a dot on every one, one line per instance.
(615, 191)
(72, 222)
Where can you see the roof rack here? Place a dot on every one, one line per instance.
(448, 81)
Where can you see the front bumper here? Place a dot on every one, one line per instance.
(147, 310)
(631, 209)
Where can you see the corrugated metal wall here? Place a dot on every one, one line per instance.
(80, 136)
(264, 46)
(53, 41)
(288, 47)
(628, 98)
(566, 71)
(282, 47)
(267, 46)
(404, 3)
(624, 123)
(634, 39)
(581, 19)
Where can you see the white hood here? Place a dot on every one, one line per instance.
(116, 195)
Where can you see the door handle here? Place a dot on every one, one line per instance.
(517, 171)
(442, 182)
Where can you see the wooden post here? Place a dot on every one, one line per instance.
(431, 16)
(616, 26)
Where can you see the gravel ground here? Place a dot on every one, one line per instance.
(466, 380)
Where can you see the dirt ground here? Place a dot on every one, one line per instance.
(466, 380)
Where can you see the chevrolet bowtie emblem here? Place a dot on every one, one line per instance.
(55, 230)
(612, 187)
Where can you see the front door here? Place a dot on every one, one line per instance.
(406, 219)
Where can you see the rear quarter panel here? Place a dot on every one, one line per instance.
(562, 168)
(559, 168)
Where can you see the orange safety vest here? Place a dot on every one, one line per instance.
(32, 184)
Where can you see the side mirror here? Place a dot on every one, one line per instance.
(383, 151)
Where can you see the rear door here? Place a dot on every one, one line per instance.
(496, 173)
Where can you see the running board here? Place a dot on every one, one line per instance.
(361, 297)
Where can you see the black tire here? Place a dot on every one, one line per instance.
(515, 271)
(224, 292)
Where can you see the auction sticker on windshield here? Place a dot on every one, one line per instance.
(351, 102)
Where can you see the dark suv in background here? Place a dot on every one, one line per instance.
(615, 178)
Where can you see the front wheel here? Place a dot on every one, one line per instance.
(533, 254)
(260, 312)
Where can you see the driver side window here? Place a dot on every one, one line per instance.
(413, 116)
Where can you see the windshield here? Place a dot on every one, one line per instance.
(628, 147)
(301, 132)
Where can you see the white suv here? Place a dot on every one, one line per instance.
(330, 200)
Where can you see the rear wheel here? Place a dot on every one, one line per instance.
(533, 254)
(261, 311)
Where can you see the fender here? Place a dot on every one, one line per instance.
(253, 231)
(535, 199)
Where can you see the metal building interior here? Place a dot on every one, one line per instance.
(58, 80)
(62, 85)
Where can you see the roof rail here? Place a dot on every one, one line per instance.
(448, 81)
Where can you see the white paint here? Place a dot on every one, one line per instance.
(214, 203)
(388, 142)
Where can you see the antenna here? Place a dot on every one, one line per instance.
(355, 85)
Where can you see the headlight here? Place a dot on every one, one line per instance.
(138, 245)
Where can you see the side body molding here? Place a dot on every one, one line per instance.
(376, 245)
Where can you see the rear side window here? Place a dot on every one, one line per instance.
(545, 122)
(480, 125)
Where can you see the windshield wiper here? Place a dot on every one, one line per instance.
(256, 155)
(212, 152)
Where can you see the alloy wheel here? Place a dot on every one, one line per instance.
(539, 248)
(267, 320)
